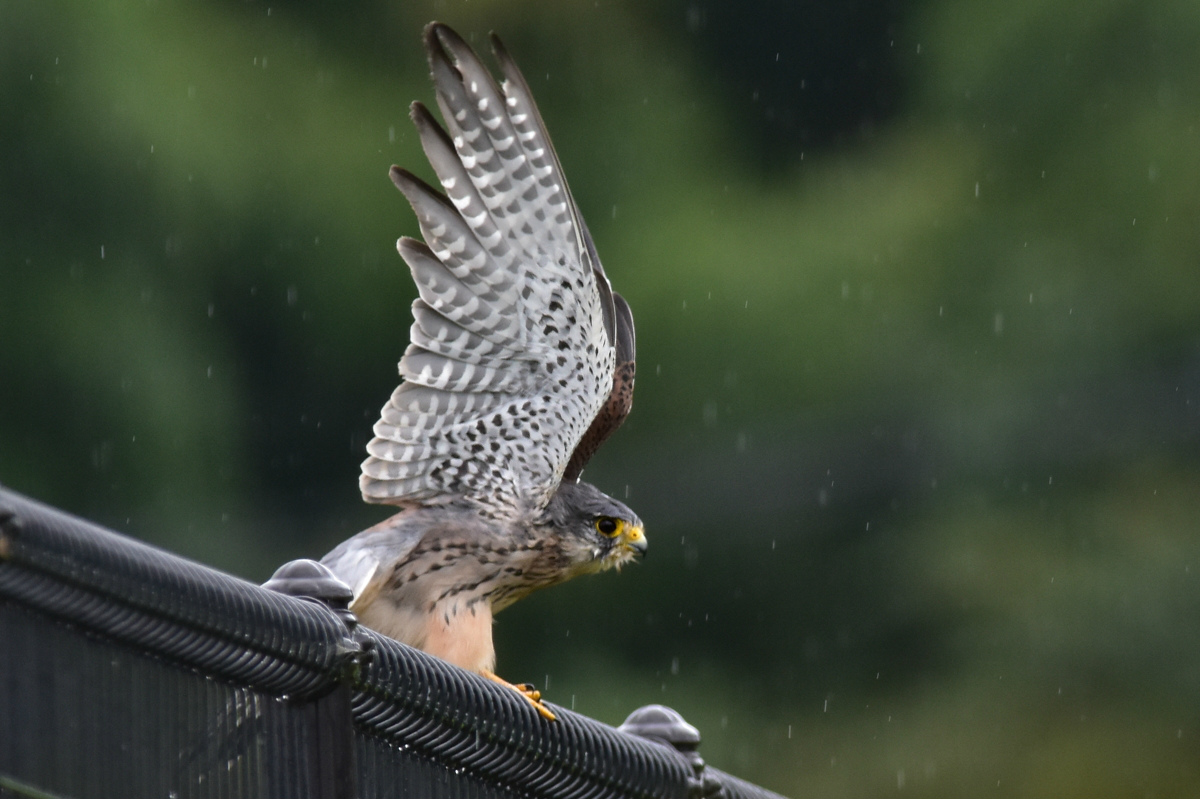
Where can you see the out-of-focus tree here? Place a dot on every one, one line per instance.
(916, 424)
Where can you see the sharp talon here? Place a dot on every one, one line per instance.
(530, 694)
(529, 691)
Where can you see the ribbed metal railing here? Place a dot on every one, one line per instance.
(128, 671)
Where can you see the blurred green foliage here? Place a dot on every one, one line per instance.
(917, 288)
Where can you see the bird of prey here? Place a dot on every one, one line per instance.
(521, 363)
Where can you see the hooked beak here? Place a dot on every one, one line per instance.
(633, 541)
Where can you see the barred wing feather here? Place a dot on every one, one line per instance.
(512, 344)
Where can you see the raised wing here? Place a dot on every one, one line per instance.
(513, 344)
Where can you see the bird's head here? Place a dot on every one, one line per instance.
(596, 531)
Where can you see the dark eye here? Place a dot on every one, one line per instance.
(606, 525)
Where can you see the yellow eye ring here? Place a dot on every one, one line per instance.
(608, 526)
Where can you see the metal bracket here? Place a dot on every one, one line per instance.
(316, 582)
(666, 727)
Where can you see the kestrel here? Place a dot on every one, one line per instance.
(521, 363)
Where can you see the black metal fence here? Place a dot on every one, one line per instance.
(126, 671)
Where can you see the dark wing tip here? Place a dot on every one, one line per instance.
(420, 194)
(428, 128)
(442, 43)
(501, 52)
(405, 180)
(513, 74)
(442, 47)
(408, 247)
(435, 34)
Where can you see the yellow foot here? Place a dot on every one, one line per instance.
(532, 695)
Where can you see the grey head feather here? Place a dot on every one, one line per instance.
(576, 505)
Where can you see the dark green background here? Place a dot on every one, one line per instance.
(917, 288)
